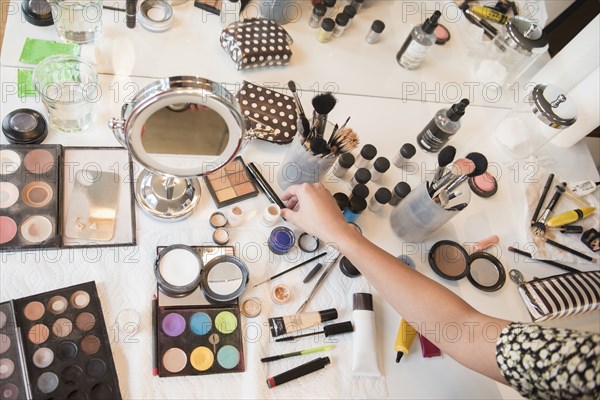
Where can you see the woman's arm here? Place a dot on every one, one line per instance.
(312, 208)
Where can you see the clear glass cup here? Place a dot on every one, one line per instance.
(68, 87)
(77, 21)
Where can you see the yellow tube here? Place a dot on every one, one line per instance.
(404, 338)
(488, 13)
(570, 216)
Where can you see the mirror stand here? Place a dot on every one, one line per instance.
(167, 198)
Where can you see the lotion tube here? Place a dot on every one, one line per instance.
(364, 354)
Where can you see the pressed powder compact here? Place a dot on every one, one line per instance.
(178, 270)
(155, 15)
(230, 184)
(25, 126)
(484, 185)
(308, 243)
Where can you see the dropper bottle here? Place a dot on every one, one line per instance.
(415, 47)
(444, 124)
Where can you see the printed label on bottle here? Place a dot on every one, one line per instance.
(432, 138)
(412, 54)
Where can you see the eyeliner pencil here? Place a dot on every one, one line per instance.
(542, 198)
(296, 353)
(292, 268)
(568, 249)
(549, 262)
(130, 7)
(264, 185)
(154, 337)
(299, 371)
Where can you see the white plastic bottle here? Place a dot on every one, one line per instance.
(364, 347)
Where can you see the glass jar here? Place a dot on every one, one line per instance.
(317, 15)
(326, 31)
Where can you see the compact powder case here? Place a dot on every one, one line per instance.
(155, 15)
(37, 12)
(451, 261)
(25, 126)
(484, 185)
(308, 243)
(224, 279)
(178, 270)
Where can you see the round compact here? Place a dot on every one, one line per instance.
(451, 261)
(178, 270)
(218, 220)
(25, 126)
(155, 15)
(281, 294)
(220, 236)
(308, 243)
(37, 12)
(224, 279)
(251, 307)
(281, 240)
(348, 268)
(442, 34)
(484, 185)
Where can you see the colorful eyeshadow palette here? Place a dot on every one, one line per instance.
(230, 184)
(195, 337)
(55, 345)
(53, 197)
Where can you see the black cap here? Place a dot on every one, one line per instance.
(431, 23)
(346, 160)
(360, 190)
(328, 25)
(357, 204)
(457, 110)
(329, 3)
(336, 329)
(382, 164)
(408, 151)
(342, 200)
(342, 20)
(25, 126)
(328, 315)
(37, 12)
(362, 175)
(402, 189)
(383, 195)
(377, 26)
(350, 11)
(320, 9)
(368, 152)
(348, 268)
(362, 301)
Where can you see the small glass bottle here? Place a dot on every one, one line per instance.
(401, 190)
(350, 11)
(421, 38)
(344, 162)
(357, 4)
(326, 31)
(360, 190)
(342, 200)
(362, 175)
(356, 207)
(442, 127)
(407, 151)
(317, 15)
(381, 197)
(367, 153)
(329, 3)
(376, 28)
(341, 21)
(281, 240)
(380, 167)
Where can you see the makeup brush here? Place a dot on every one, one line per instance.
(568, 249)
(323, 104)
(460, 167)
(481, 165)
(445, 157)
(539, 227)
(540, 203)
(303, 119)
(572, 196)
(292, 268)
(345, 140)
(318, 146)
(549, 262)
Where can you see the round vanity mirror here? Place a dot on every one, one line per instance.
(178, 128)
(224, 279)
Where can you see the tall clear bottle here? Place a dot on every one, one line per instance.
(444, 124)
(421, 38)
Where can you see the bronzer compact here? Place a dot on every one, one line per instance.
(197, 325)
(53, 196)
(55, 345)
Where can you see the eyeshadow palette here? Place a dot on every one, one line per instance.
(58, 347)
(230, 184)
(53, 197)
(195, 337)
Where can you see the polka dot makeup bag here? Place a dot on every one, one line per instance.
(256, 42)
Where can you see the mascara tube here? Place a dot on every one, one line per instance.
(299, 371)
(130, 10)
(264, 185)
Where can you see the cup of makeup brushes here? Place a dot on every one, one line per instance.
(418, 215)
(301, 165)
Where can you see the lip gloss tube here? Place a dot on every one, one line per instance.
(299, 371)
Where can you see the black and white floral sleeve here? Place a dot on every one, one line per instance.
(550, 363)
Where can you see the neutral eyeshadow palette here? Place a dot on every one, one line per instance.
(53, 197)
(55, 346)
(230, 184)
(195, 337)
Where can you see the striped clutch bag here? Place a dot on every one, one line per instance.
(562, 295)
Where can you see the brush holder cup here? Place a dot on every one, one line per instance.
(417, 216)
(300, 165)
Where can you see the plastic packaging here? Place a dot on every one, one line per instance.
(364, 347)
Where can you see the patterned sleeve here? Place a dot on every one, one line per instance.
(550, 363)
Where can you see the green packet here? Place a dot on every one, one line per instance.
(35, 50)
(25, 87)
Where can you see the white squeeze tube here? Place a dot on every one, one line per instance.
(364, 349)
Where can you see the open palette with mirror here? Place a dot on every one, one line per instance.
(53, 196)
(55, 345)
(200, 333)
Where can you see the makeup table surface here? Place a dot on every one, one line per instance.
(125, 278)
(346, 65)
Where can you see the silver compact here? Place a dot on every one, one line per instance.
(155, 15)
(224, 279)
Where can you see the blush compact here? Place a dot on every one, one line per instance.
(484, 185)
(24, 126)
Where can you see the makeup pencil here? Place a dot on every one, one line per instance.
(298, 372)
(154, 338)
(549, 262)
(297, 353)
(568, 249)
(540, 203)
(292, 268)
(130, 7)
(264, 185)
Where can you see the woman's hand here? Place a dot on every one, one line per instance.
(312, 208)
